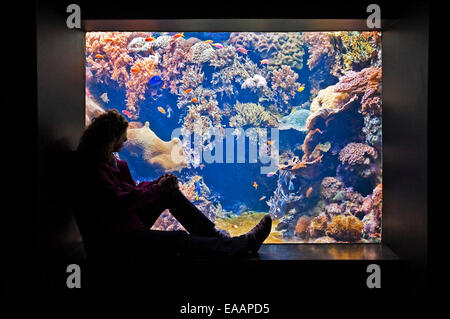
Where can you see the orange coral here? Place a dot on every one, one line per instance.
(318, 226)
(301, 228)
(345, 228)
(137, 85)
(113, 47)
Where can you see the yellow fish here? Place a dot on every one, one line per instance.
(308, 192)
(99, 56)
(264, 61)
(178, 35)
(209, 41)
(269, 142)
(293, 110)
(161, 110)
(300, 89)
(255, 185)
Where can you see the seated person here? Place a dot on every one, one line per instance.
(114, 208)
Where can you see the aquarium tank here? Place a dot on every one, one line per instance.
(252, 123)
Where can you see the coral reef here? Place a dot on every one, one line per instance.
(290, 52)
(266, 44)
(357, 154)
(328, 99)
(319, 47)
(107, 55)
(251, 114)
(284, 85)
(366, 84)
(165, 156)
(345, 228)
(254, 83)
(137, 85)
(201, 52)
(295, 120)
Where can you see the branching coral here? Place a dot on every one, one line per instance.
(284, 85)
(266, 44)
(176, 55)
(223, 57)
(107, 55)
(252, 114)
(319, 47)
(142, 71)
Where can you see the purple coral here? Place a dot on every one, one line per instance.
(357, 153)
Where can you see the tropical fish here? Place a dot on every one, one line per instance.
(262, 198)
(149, 39)
(264, 61)
(104, 97)
(107, 39)
(291, 185)
(126, 113)
(308, 192)
(151, 51)
(300, 89)
(178, 35)
(169, 112)
(202, 165)
(194, 100)
(209, 41)
(269, 142)
(155, 80)
(161, 110)
(135, 69)
(255, 185)
(242, 50)
(234, 226)
(293, 110)
(99, 56)
(198, 189)
(164, 86)
(187, 91)
(218, 45)
(270, 174)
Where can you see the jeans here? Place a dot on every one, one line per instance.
(201, 238)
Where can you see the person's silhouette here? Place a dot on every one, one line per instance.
(112, 207)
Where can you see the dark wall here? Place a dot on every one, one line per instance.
(405, 108)
(60, 98)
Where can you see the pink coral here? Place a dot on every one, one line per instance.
(319, 46)
(357, 153)
(284, 84)
(367, 85)
(175, 57)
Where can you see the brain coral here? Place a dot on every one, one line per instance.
(345, 228)
(357, 153)
(166, 156)
(328, 98)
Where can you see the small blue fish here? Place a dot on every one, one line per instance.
(156, 80)
(198, 189)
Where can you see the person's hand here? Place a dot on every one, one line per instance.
(168, 182)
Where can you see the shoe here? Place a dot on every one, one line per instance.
(258, 234)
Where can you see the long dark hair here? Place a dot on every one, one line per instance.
(98, 139)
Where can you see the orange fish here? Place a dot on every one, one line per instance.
(317, 131)
(149, 39)
(135, 69)
(234, 226)
(99, 56)
(187, 91)
(161, 110)
(151, 51)
(107, 39)
(194, 100)
(126, 113)
(255, 185)
(308, 192)
(178, 35)
(269, 142)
